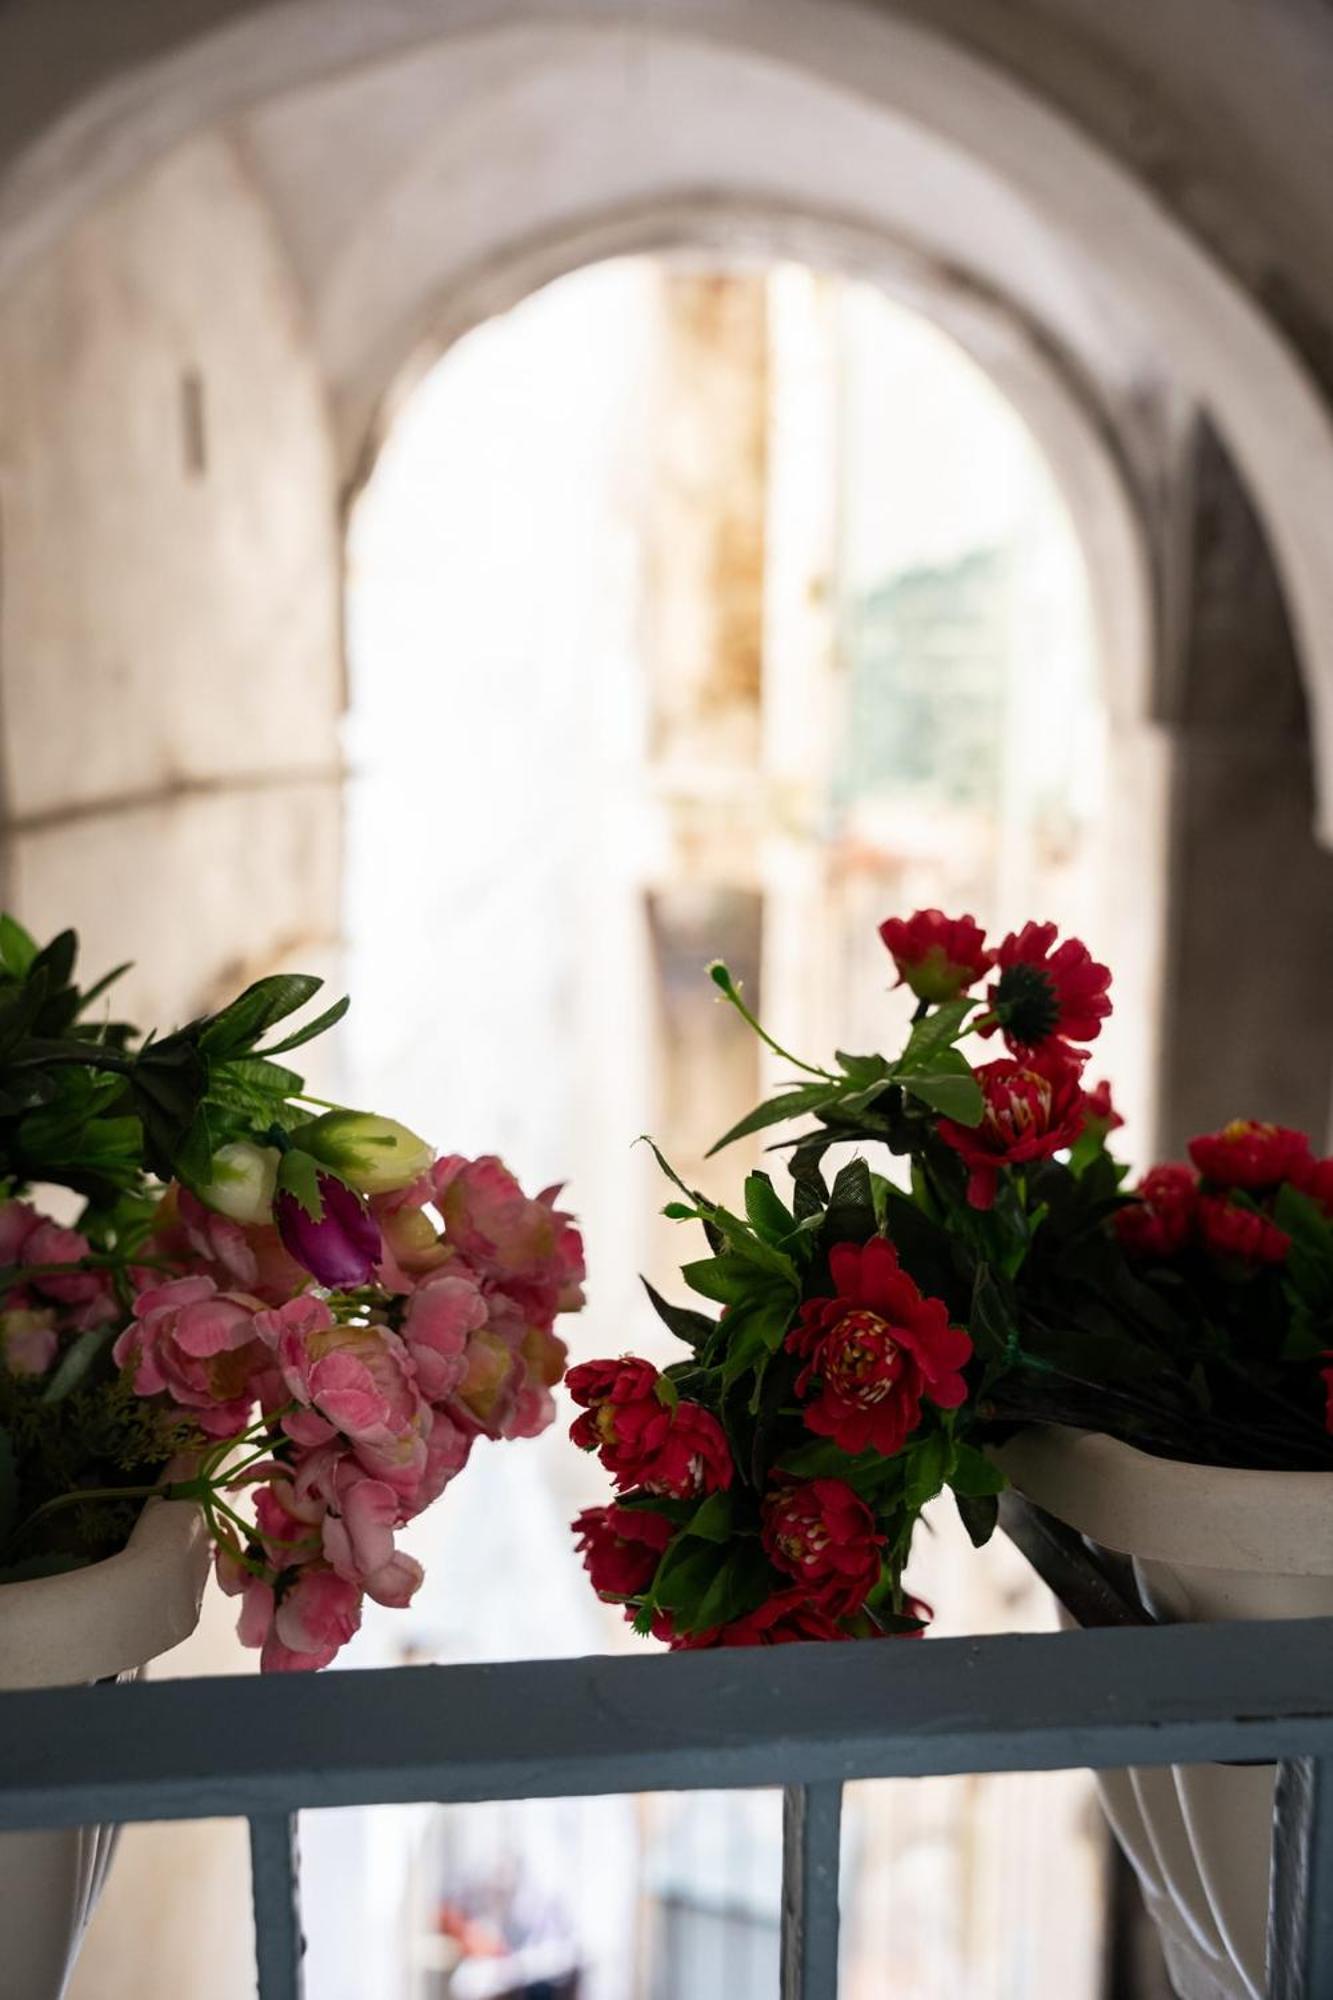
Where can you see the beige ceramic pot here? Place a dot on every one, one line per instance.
(1206, 1542)
(99, 1623)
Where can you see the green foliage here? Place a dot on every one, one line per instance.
(1193, 1358)
(95, 1105)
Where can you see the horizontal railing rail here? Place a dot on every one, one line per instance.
(804, 1718)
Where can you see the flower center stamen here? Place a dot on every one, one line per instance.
(1026, 1004)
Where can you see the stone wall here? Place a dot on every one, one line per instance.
(169, 606)
(170, 684)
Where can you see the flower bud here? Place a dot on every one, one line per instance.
(241, 1181)
(324, 1224)
(373, 1155)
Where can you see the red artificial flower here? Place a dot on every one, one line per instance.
(788, 1617)
(939, 957)
(822, 1533)
(874, 1351)
(621, 1547)
(1044, 996)
(1318, 1184)
(1032, 1108)
(1161, 1221)
(1239, 1235)
(643, 1440)
(1099, 1113)
(1251, 1155)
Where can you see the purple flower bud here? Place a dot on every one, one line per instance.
(325, 1225)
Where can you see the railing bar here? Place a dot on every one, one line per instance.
(559, 1728)
(811, 1836)
(1300, 1911)
(275, 1894)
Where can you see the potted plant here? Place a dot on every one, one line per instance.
(975, 1295)
(271, 1329)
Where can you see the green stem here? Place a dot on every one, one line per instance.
(726, 985)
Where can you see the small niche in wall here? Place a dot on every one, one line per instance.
(194, 424)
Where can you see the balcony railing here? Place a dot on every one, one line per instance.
(806, 1719)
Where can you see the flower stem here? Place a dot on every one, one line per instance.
(726, 985)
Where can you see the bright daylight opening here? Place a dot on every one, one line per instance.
(692, 613)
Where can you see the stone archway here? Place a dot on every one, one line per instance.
(1118, 281)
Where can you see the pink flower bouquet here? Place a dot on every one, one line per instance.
(302, 1299)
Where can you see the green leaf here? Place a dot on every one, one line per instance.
(796, 1100)
(76, 1361)
(862, 1071)
(740, 1586)
(752, 1334)
(973, 1475)
(56, 960)
(298, 1176)
(319, 1026)
(954, 1093)
(729, 1279)
(18, 948)
(100, 986)
(979, 1515)
(768, 1214)
(712, 1522)
(240, 1024)
(934, 1037)
(927, 1469)
(694, 1328)
(851, 1208)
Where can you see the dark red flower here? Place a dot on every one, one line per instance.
(1044, 995)
(821, 1532)
(621, 1547)
(1033, 1108)
(1239, 1235)
(1318, 1184)
(939, 957)
(874, 1351)
(1161, 1221)
(788, 1617)
(1099, 1113)
(1251, 1155)
(642, 1438)
(1163, 1217)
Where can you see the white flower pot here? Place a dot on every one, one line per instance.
(1206, 1542)
(99, 1623)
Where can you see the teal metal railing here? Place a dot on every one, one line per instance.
(806, 1719)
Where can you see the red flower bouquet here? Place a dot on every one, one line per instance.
(977, 1265)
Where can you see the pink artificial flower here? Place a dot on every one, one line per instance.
(255, 1621)
(444, 1310)
(448, 1448)
(356, 1379)
(506, 1235)
(29, 1238)
(200, 1347)
(412, 1246)
(18, 1219)
(359, 1518)
(314, 1618)
(28, 1340)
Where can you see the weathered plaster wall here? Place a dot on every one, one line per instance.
(170, 683)
(169, 597)
(1249, 963)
